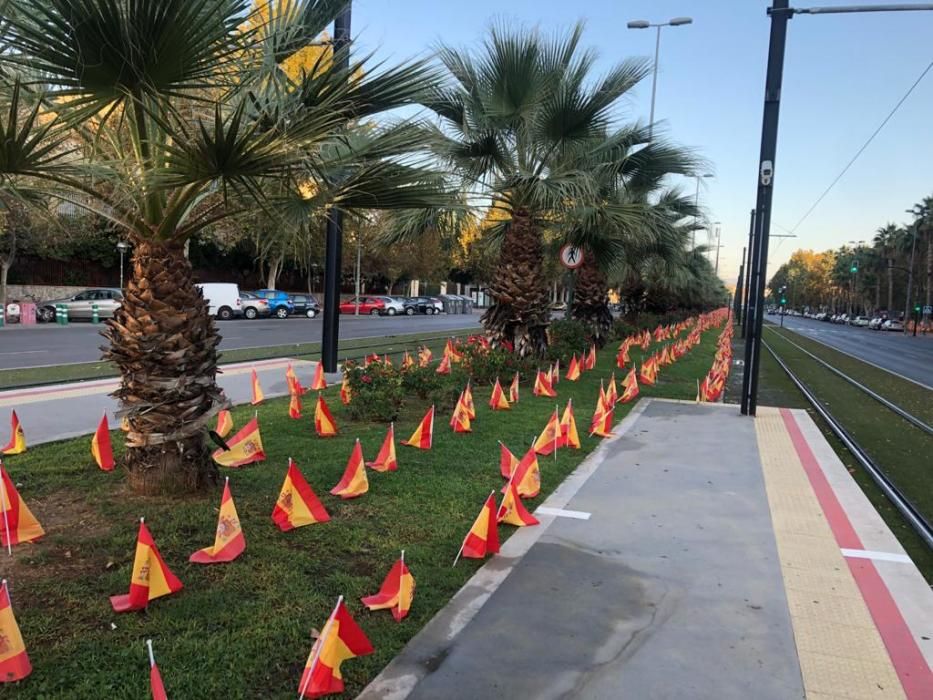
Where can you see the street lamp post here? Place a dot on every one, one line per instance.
(717, 229)
(644, 24)
(696, 208)
(122, 246)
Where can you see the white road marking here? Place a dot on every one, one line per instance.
(561, 513)
(23, 352)
(878, 556)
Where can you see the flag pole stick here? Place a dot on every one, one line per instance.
(151, 655)
(319, 646)
(6, 522)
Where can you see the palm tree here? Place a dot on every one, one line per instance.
(884, 241)
(514, 119)
(923, 219)
(165, 117)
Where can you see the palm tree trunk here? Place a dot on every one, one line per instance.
(519, 311)
(275, 267)
(165, 345)
(929, 266)
(890, 284)
(591, 301)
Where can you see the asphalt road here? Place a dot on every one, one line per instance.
(905, 355)
(49, 344)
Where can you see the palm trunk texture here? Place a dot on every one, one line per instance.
(165, 344)
(519, 312)
(591, 301)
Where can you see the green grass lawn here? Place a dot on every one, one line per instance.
(243, 630)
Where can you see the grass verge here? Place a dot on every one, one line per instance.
(242, 630)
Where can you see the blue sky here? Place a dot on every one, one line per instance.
(843, 74)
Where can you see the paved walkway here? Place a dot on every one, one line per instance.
(722, 558)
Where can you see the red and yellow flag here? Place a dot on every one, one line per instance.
(507, 461)
(622, 358)
(407, 360)
(294, 385)
(14, 661)
(601, 425)
(460, 418)
(590, 362)
(549, 439)
(498, 401)
(425, 356)
(386, 360)
(258, 396)
(324, 422)
(229, 542)
(396, 592)
(573, 370)
(318, 383)
(385, 461)
(467, 400)
(245, 447)
(554, 373)
(297, 504)
(18, 524)
(568, 428)
(631, 387)
(353, 483)
(101, 449)
(543, 386)
(483, 537)
(294, 406)
(444, 366)
(151, 578)
(649, 371)
(612, 394)
(345, 393)
(513, 511)
(224, 423)
(17, 443)
(424, 433)
(155, 678)
(527, 476)
(513, 389)
(341, 639)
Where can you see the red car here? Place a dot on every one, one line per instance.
(373, 306)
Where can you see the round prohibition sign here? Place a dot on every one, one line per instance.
(571, 256)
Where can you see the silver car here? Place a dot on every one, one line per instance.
(81, 305)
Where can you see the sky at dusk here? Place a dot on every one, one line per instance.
(843, 74)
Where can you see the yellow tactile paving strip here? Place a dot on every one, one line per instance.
(841, 652)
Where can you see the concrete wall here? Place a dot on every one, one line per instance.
(39, 291)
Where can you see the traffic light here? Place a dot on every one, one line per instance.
(854, 267)
(917, 309)
(783, 301)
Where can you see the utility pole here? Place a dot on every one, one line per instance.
(739, 292)
(333, 256)
(748, 271)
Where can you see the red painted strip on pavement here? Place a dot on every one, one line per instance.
(911, 667)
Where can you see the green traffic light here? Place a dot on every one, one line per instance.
(854, 268)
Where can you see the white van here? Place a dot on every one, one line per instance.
(223, 298)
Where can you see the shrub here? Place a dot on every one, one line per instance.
(486, 364)
(567, 337)
(377, 391)
(442, 390)
(622, 328)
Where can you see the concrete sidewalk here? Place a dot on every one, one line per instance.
(674, 586)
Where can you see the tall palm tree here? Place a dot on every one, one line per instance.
(164, 117)
(923, 219)
(885, 242)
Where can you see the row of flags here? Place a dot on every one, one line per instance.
(713, 384)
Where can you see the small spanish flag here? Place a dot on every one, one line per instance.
(622, 357)
(297, 504)
(353, 483)
(498, 401)
(345, 394)
(543, 386)
(601, 425)
(245, 447)
(229, 542)
(631, 387)
(155, 678)
(407, 360)
(554, 374)
(549, 439)
(18, 524)
(224, 423)
(425, 356)
(460, 418)
(444, 366)
(324, 422)
(612, 394)
(318, 383)
(294, 386)
(513, 389)
(385, 461)
(467, 401)
(513, 511)
(527, 476)
(483, 537)
(424, 433)
(341, 639)
(258, 396)
(151, 578)
(294, 406)
(573, 370)
(396, 592)
(568, 428)
(507, 461)
(14, 661)
(590, 362)
(649, 371)
(101, 449)
(17, 443)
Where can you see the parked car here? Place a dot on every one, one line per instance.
(223, 299)
(892, 325)
(373, 306)
(305, 305)
(279, 302)
(859, 321)
(393, 306)
(412, 305)
(875, 323)
(253, 306)
(81, 304)
(432, 305)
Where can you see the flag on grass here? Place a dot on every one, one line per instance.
(151, 577)
(483, 537)
(258, 396)
(467, 400)
(353, 483)
(18, 524)
(155, 678)
(631, 387)
(527, 476)
(549, 439)
(229, 542)
(444, 366)
(513, 511)
(460, 418)
(573, 370)
(498, 401)
(297, 505)
(245, 447)
(345, 394)
(101, 449)
(507, 461)
(612, 394)
(601, 425)
(294, 386)
(568, 428)
(17, 443)
(407, 360)
(224, 423)
(622, 358)
(324, 422)
(513, 389)
(424, 356)
(341, 639)
(14, 661)
(424, 433)
(543, 386)
(318, 383)
(396, 592)
(590, 362)
(294, 406)
(385, 461)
